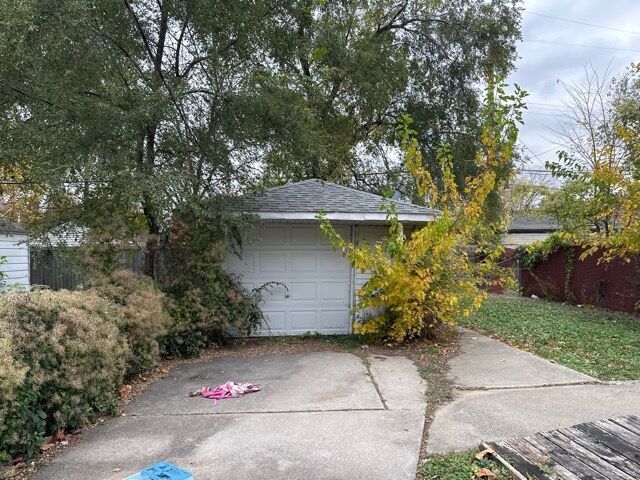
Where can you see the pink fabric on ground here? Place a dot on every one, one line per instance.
(231, 390)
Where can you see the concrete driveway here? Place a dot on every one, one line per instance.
(320, 415)
(502, 392)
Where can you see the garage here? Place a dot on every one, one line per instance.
(314, 286)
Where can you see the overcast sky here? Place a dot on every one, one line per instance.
(542, 65)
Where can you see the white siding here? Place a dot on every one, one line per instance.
(366, 234)
(15, 249)
(513, 240)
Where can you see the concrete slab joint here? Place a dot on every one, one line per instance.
(503, 392)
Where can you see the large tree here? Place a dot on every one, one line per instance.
(356, 66)
(125, 109)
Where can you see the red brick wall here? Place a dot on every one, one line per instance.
(614, 285)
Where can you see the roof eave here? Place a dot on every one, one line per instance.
(373, 217)
(533, 230)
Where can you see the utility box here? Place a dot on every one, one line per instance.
(162, 471)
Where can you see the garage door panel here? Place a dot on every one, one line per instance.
(334, 320)
(317, 280)
(272, 236)
(303, 235)
(302, 321)
(304, 263)
(276, 321)
(272, 264)
(333, 262)
(343, 230)
(275, 293)
(334, 291)
(306, 291)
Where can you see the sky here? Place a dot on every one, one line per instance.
(542, 67)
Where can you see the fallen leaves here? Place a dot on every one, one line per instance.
(125, 390)
(483, 453)
(485, 473)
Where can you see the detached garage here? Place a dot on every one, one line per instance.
(14, 250)
(318, 284)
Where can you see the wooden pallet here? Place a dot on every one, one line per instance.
(603, 450)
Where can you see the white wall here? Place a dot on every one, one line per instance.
(15, 249)
(366, 234)
(514, 240)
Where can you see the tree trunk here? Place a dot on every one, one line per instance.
(152, 245)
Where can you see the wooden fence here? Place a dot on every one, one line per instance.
(58, 269)
(565, 277)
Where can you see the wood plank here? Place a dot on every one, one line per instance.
(592, 443)
(564, 458)
(543, 460)
(629, 424)
(623, 435)
(587, 456)
(613, 436)
(519, 461)
(629, 436)
(496, 457)
(635, 419)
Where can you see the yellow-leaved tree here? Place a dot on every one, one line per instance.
(598, 205)
(621, 180)
(437, 274)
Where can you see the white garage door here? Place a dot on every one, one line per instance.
(317, 279)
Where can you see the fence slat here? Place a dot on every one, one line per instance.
(58, 270)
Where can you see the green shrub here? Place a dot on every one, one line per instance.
(208, 302)
(207, 307)
(142, 318)
(63, 361)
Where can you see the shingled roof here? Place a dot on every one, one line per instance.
(303, 200)
(526, 224)
(7, 226)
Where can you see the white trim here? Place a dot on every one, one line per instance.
(352, 281)
(346, 217)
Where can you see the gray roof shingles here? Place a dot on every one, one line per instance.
(318, 195)
(532, 224)
(7, 226)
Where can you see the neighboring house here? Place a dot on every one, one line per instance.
(526, 230)
(14, 247)
(288, 247)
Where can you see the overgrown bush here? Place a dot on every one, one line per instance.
(530, 255)
(208, 302)
(64, 355)
(429, 279)
(208, 308)
(142, 316)
(63, 361)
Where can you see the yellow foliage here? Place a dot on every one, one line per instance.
(623, 205)
(21, 202)
(430, 279)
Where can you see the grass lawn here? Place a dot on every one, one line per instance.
(603, 344)
(459, 466)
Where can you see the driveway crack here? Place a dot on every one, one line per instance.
(367, 365)
(530, 387)
(254, 412)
